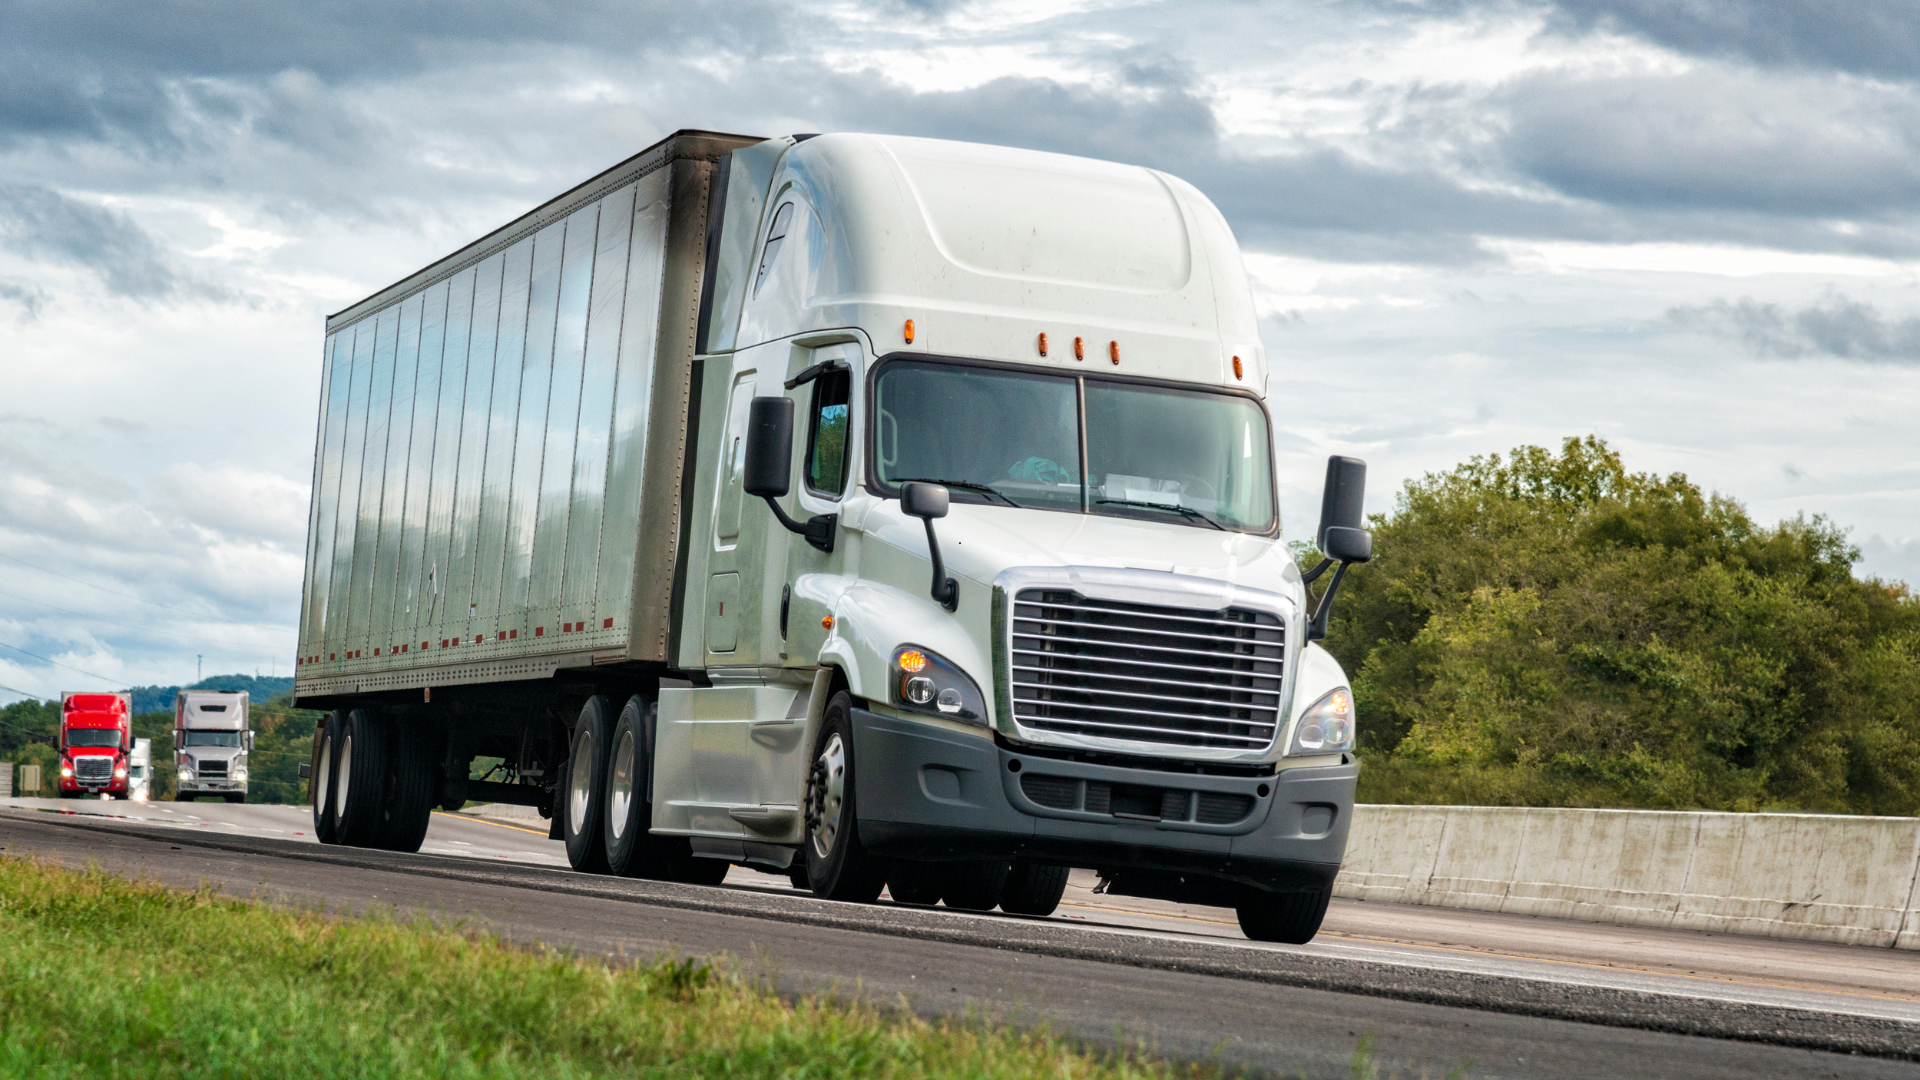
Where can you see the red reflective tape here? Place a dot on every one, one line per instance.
(607, 625)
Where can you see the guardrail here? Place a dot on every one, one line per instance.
(1817, 877)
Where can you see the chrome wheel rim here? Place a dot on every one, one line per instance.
(620, 785)
(579, 783)
(343, 778)
(827, 796)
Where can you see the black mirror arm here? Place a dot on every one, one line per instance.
(1313, 575)
(818, 529)
(945, 589)
(1317, 626)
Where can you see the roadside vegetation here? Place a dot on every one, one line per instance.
(1548, 629)
(105, 977)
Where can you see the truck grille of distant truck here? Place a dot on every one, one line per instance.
(93, 767)
(1143, 673)
(212, 768)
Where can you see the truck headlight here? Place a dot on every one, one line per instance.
(186, 775)
(66, 770)
(120, 773)
(926, 682)
(240, 775)
(1327, 725)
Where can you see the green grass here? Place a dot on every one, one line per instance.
(102, 977)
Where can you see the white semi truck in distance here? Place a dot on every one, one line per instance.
(211, 740)
(883, 512)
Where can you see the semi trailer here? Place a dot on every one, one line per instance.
(883, 512)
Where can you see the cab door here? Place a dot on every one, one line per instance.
(800, 579)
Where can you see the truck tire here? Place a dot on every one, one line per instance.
(632, 851)
(974, 885)
(415, 786)
(232, 798)
(583, 800)
(326, 751)
(916, 883)
(360, 784)
(1033, 889)
(1292, 918)
(839, 867)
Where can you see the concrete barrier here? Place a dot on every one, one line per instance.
(1824, 878)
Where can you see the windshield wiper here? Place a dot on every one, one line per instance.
(964, 485)
(1187, 512)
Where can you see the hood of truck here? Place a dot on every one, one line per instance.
(979, 541)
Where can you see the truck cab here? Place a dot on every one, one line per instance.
(96, 739)
(210, 743)
(1007, 412)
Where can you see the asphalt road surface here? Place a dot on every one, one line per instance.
(1438, 989)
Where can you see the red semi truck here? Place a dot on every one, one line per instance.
(96, 744)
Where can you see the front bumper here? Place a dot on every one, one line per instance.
(927, 793)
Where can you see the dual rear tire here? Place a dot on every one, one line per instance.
(375, 780)
(605, 808)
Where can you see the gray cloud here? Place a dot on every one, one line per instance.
(1835, 326)
(1719, 140)
(1870, 37)
(28, 297)
(40, 222)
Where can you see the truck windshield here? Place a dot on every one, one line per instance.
(103, 736)
(1013, 438)
(211, 738)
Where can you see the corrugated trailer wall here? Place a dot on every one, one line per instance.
(500, 444)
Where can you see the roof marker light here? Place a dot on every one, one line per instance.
(1113, 351)
(1237, 372)
(1043, 344)
(909, 331)
(1079, 348)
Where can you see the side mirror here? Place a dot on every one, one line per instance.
(1340, 505)
(926, 502)
(1341, 537)
(249, 741)
(769, 464)
(769, 467)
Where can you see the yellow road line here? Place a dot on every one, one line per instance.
(484, 821)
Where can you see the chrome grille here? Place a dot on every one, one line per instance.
(92, 767)
(1143, 673)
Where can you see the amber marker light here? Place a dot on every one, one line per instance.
(826, 622)
(1113, 351)
(1079, 349)
(1237, 372)
(909, 331)
(1043, 344)
(913, 661)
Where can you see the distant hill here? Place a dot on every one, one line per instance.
(147, 699)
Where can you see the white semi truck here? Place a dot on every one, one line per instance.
(876, 511)
(211, 740)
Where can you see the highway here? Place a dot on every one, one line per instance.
(1438, 989)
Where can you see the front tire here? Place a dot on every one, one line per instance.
(583, 806)
(1290, 918)
(1033, 889)
(975, 885)
(839, 867)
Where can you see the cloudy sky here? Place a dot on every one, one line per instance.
(1689, 226)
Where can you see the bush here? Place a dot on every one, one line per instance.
(1553, 630)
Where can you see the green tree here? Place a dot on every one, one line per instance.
(1553, 630)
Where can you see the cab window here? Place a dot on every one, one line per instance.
(827, 433)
